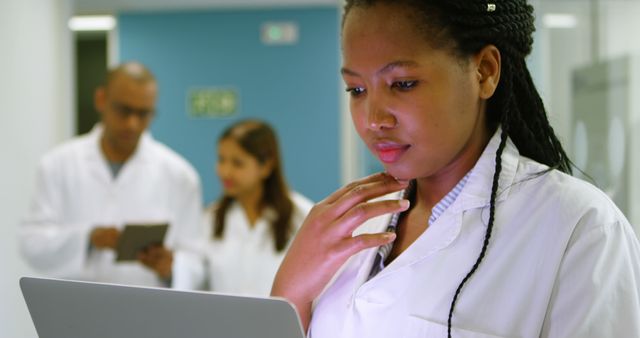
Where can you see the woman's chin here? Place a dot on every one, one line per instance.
(230, 193)
(399, 174)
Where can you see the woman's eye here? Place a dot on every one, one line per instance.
(404, 85)
(355, 91)
(237, 163)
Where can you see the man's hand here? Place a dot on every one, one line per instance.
(157, 258)
(105, 237)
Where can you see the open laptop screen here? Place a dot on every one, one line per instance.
(73, 309)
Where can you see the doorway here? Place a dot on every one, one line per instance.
(91, 70)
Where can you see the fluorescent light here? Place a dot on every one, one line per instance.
(556, 20)
(92, 23)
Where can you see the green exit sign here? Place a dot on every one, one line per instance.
(212, 102)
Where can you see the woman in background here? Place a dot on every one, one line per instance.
(250, 226)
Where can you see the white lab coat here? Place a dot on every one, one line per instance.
(76, 191)
(245, 261)
(562, 262)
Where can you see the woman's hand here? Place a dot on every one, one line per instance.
(325, 240)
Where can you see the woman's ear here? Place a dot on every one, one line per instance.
(266, 169)
(488, 65)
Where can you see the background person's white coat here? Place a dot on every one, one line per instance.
(76, 191)
(245, 260)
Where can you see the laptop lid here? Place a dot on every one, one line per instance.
(73, 309)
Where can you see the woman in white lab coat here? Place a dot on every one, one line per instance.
(487, 234)
(249, 228)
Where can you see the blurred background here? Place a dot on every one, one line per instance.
(221, 60)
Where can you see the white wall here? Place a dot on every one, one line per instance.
(557, 52)
(620, 27)
(35, 113)
(606, 30)
(620, 30)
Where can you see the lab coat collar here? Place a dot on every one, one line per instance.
(262, 224)
(98, 163)
(475, 194)
(477, 191)
(95, 152)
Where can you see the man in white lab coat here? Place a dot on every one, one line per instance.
(88, 188)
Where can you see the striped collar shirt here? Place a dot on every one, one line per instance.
(436, 211)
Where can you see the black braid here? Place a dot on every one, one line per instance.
(509, 105)
(510, 29)
(466, 27)
(487, 236)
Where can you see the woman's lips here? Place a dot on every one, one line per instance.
(390, 152)
(227, 184)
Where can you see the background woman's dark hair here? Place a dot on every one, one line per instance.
(259, 140)
(467, 26)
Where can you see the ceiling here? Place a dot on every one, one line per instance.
(114, 6)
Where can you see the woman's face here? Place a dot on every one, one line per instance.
(417, 108)
(240, 173)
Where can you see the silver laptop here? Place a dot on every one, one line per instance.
(72, 309)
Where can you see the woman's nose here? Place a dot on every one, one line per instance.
(379, 117)
(222, 170)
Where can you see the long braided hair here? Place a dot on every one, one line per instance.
(466, 27)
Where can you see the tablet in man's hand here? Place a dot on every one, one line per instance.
(136, 237)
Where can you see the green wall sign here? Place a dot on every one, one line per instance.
(212, 102)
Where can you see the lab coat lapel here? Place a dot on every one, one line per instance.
(139, 159)
(477, 191)
(97, 164)
(475, 194)
(375, 225)
(369, 255)
(437, 237)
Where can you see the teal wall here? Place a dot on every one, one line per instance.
(293, 87)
